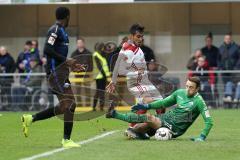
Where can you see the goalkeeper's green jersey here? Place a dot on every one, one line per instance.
(185, 113)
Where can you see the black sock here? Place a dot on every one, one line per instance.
(68, 121)
(45, 114)
(67, 130)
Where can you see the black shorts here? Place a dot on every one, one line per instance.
(58, 80)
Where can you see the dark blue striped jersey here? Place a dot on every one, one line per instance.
(56, 46)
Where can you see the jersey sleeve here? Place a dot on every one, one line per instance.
(164, 103)
(49, 50)
(116, 68)
(52, 36)
(127, 56)
(202, 107)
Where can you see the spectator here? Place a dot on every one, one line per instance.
(148, 52)
(113, 55)
(35, 51)
(110, 53)
(237, 93)
(24, 57)
(192, 62)
(211, 52)
(7, 65)
(207, 79)
(155, 75)
(102, 73)
(229, 56)
(212, 55)
(29, 84)
(33, 81)
(84, 56)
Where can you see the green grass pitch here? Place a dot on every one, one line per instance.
(223, 143)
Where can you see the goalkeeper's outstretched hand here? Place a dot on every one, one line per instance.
(139, 107)
(201, 138)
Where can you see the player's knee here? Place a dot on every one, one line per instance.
(68, 105)
(150, 118)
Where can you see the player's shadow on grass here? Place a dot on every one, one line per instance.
(85, 116)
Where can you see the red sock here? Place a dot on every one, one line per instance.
(160, 111)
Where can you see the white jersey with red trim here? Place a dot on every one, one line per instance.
(132, 60)
(134, 67)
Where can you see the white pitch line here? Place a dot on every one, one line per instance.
(45, 154)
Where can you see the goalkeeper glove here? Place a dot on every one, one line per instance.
(139, 107)
(201, 138)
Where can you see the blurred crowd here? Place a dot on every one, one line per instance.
(207, 60)
(202, 63)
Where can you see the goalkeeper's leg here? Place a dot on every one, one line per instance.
(145, 100)
(130, 117)
(147, 129)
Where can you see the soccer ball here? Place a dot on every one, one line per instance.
(163, 134)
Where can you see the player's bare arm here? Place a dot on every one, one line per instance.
(112, 85)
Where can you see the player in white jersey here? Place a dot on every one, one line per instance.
(131, 63)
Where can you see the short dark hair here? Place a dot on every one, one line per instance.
(99, 46)
(62, 13)
(209, 35)
(228, 34)
(136, 28)
(196, 80)
(28, 42)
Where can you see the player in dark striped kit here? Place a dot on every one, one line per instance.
(58, 65)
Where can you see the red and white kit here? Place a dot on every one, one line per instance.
(131, 63)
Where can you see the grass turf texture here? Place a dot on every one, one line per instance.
(222, 143)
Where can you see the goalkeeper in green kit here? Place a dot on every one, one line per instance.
(189, 105)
